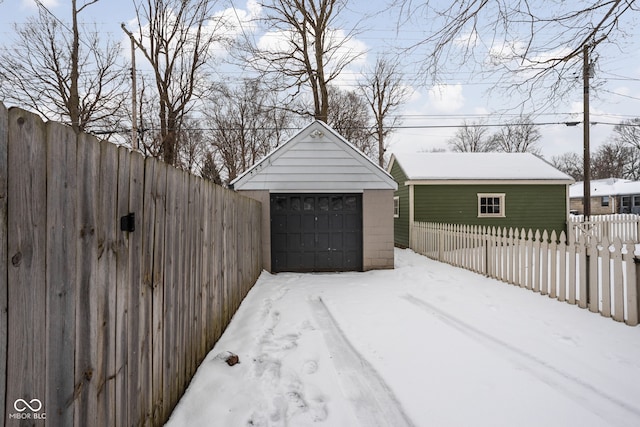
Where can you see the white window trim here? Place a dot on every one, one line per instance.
(396, 206)
(500, 196)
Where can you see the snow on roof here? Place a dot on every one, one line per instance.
(605, 187)
(477, 166)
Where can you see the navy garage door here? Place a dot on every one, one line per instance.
(316, 232)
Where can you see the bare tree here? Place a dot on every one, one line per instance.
(245, 126)
(192, 147)
(349, 116)
(65, 73)
(176, 37)
(472, 137)
(610, 161)
(384, 91)
(628, 133)
(571, 164)
(536, 40)
(632, 170)
(311, 50)
(519, 136)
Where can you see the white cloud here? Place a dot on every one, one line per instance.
(506, 52)
(347, 49)
(446, 98)
(469, 39)
(241, 21)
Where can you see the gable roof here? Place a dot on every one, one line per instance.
(605, 187)
(316, 159)
(477, 166)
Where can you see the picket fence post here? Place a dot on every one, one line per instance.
(633, 283)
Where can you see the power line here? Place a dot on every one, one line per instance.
(619, 94)
(271, 129)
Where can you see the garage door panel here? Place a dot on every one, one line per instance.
(278, 261)
(308, 221)
(322, 221)
(322, 241)
(294, 242)
(294, 223)
(279, 224)
(309, 240)
(316, 232)
(322, 260)
(351, 221)
(337, 241)
(351, 241)
(352, 259)
(279, 241)
(336, 222)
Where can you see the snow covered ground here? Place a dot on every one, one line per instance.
(425, 344)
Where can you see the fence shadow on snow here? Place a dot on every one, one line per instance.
(104, 326)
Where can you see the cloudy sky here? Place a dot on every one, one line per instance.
(462, 93)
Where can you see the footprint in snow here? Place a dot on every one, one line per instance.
(310, 367)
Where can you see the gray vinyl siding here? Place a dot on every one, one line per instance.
(401, 224)
(315, 164)
(541, 207)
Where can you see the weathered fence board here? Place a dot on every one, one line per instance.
(61, 271)
(108, 325)
(156, 206)
(4, 138)
(122, 294)
(597, 274)
(105, 292)
(86, 407)
(26, 276)
(139, 341)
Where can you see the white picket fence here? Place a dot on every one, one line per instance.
(601, 275)
(624, 226)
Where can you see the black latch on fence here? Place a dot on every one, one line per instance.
(128, 222)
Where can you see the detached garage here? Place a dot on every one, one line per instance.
(325, 205)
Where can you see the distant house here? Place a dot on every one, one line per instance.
(608, 196)
(517, 190)
(325, 205)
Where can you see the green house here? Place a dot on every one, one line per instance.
(518, 190)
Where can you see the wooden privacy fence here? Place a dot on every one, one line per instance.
(99, 326)
(603, 276)
(626, 227)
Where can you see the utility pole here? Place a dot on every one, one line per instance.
(134, 107)
(586, 70)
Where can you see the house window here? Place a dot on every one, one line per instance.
(396, 207)
(490, 205)
(636, 201)
(604, 201)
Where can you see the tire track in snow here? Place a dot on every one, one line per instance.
(374, 402)
(579, 390)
